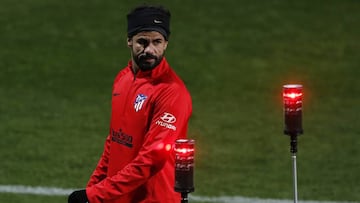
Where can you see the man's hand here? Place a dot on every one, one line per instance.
(78, 196)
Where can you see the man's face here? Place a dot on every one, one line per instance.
(147, 49)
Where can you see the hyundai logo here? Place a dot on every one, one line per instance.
(168, 118)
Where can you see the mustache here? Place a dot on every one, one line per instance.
(147, 56)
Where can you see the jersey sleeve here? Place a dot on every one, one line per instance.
(169, 122)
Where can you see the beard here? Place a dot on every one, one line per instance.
(142, 61)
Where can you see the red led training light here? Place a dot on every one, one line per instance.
(184, 165)
(292, 98)
(292, 91)
(184, 146)
(293, 95)
(184, 150)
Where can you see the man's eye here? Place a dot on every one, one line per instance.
(157, 42)
(142, 41)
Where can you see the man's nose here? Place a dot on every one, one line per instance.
(150, 49)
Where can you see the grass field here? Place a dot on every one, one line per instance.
(58, 60)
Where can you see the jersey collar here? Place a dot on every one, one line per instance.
(153, 73)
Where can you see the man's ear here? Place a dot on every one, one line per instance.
(166, 44)
(129, 42)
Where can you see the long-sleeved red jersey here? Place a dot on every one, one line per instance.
(150, 110)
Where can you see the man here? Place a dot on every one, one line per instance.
(151, 108)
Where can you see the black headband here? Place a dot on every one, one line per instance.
(149, 19)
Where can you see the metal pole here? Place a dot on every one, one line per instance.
(294, 177)
(184, 197)
(293, 151)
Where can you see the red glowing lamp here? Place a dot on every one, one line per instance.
(184, 167)
(183, 150)
(292, 97)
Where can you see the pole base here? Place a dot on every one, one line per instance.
(184, 197)
(293, 144)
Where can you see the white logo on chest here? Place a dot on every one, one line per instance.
(139, 101)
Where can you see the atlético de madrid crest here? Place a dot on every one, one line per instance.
(139, 101)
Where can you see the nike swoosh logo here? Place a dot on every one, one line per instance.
(157, 21)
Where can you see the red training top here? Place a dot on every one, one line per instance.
(150, 110)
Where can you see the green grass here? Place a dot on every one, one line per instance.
(11, 198)
(58, 60)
